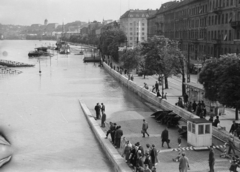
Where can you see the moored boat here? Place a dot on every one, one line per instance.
(40, 51)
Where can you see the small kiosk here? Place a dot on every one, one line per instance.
(199, 132)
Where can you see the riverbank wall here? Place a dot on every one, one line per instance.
(118, 162)
(164, 104)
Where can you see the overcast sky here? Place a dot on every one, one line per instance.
(27, 12)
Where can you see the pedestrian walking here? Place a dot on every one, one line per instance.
(165, 138)
(216, 121)
(127, 151)
(148, 149)
(211, 159)
(183, 163)
(158, 94)
(233, 127)
(189, 106)
(114, 127)
(97, 109)
(109, 130)
(133, 156)
(185, 99)
(154, 154)
(194, 106)
(118, 135)
(103, 119)
(144, 128)
(139, 163)
(157, 86)
(103, 109)
(141, 149)
(148, 161)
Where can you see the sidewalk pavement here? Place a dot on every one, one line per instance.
(131, 124)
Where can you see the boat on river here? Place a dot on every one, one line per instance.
(63, 47)
(40, 51)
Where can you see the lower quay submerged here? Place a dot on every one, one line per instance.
(198, 160)
(48, 131)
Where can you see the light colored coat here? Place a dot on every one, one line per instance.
(183, 164)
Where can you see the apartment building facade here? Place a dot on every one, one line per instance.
(134, 24)
(204, 28)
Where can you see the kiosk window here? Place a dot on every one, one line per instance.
(207, 129)
(190, 127)
(201, 129)
(193, 128)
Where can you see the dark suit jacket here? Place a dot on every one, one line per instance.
(165, 135)
(118, 133)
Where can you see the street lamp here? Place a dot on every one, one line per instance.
(162, 86)
(39, 65)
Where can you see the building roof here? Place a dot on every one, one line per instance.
(199, 120)
(138, 13)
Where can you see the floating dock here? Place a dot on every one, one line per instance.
(10, 63)
(91, 59)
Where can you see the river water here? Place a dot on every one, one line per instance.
(40, 114)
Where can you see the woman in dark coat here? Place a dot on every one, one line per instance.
(154, 154)
(133, 156)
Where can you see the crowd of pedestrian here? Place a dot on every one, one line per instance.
(139, 159)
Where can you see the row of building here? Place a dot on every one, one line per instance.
(69, 29)
(204, 28)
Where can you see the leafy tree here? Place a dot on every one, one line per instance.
(130, 59)
(109, 42)
(221, 81)
(160, 55)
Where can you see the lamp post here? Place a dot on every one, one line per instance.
(39, 65)
(162, 86)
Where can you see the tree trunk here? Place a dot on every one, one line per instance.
(183, 85)
(236, 114)
(166, 82)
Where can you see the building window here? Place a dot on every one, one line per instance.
(142, 29)
(193, 128)
(142, 24)
(130, 38)
(142, 38)
(207, 129)
(231, 2)
(130, 28)
(200, 129)
(222, 18)
(230, 17)
(130, 24)
(142, 33)
(226, 19)
(227, 3)
(190, 127)
(130, 33)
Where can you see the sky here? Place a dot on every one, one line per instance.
(27, 12)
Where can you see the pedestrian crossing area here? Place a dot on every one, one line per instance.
(192, 148)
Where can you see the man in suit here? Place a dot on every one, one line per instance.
(165, 138)
(118, 135)
(233, 127)
(97, 109)
(144, 128)
(211, 159)
(183, 163)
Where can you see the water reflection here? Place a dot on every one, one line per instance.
(41, 117)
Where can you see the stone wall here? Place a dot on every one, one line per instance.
(164, 104)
